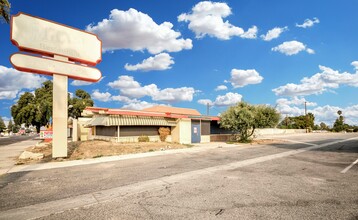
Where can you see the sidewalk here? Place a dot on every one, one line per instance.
(9, 153)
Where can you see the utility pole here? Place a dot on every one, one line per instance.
(207, 108)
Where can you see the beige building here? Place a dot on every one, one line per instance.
(119, 125)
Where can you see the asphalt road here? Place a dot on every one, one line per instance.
(303, 177)
(4, 141)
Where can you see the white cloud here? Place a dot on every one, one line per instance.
(355, 64)
(13, 81)
(292, 47)
(162, 61)
(138, 105)
(124, 82)
(137, 31)
(308, 23)
(251, 33)
(241, 78)
(100, 96)
(133, 89)
(8, 94)
(295, 101)
(207, 17)
(318, 83)
(220, 88)
(174, 94)
(80, 83)
(223, 100)
(273, 33)
(205, 102)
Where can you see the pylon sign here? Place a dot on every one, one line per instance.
(68, 50)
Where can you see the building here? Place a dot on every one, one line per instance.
(119, 125)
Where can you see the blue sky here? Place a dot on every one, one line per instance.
(190, 53)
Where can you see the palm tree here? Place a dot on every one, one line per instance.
(5, 10)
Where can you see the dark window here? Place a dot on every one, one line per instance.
(215, 128)
(126, 131)
(106, 131)
(205, 127)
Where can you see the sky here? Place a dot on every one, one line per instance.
(193, 53)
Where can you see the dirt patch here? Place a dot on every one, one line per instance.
(94, 149)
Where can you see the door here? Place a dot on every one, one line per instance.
(195, 132)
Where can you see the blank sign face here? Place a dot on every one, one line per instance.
(46, 37)
(40, 65)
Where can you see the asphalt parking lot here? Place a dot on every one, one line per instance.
(308, 176)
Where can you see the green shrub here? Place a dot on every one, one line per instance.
(143, 138)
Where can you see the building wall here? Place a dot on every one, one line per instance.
(184, 131)
(83, 133)
(205, 139)
(175, 133)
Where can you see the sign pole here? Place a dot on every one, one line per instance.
(59, 113)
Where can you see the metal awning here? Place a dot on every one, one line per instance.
(127, 120)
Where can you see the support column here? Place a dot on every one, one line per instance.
(74, 130)
(59, 113)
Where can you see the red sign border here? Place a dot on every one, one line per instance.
(46, 53)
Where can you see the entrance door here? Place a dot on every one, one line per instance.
(195, 132)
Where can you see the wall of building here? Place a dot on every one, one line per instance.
(205, 139)
(83, 133)
(184, 131)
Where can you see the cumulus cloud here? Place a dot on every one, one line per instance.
(319, 83)
(137, 31)
(207, 18)
(138, 105)
(295, 101)
(355, 64)
(290, 48)
(174, 94)
(273, 33)
(220, 88)
(308, 23)
(162, 61)
(101, 96)
(13, 81)
(241, 78)
(130, 88)
(223, 100)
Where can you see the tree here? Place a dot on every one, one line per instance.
(298, 122)
(2, 125)
(339, 125)
(36, 109)
(245, 118)
(78, 103)
(5, 10)
(10, 126)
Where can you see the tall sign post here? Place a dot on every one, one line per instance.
(60, 51)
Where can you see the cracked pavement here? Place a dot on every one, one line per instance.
(299, 178)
